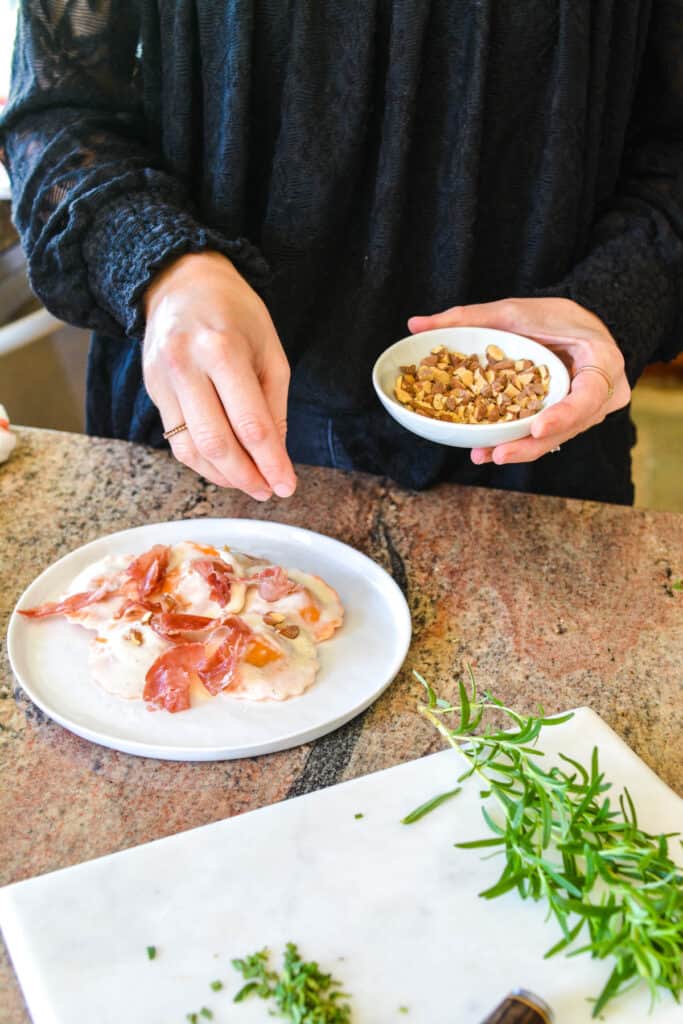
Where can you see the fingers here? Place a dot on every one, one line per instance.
(529, 449)
(211, 433)
(258, 426)
(582, 408)
(182, 445)
(574, 413)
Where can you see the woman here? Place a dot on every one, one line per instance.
(254, 186)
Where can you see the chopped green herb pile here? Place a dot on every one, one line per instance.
(359, 815)
(216, 985)
(566, 841)
(151, 952)
(677, 585)
(301, 993)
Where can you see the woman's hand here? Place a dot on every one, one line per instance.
(578, 337)
(212, 360)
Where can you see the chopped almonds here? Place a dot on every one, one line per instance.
(458, 388)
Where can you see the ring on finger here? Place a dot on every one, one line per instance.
(603, 373)
(174, 430)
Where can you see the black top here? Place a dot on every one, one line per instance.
(359, 161)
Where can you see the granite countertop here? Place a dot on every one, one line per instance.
(563, 602)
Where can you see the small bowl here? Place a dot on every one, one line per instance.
(471, 341)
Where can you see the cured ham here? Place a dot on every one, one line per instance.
(148, 570)
(218, 575)
(273, 583)
(175, 626)
(68, 605)
(168, 681)
(184, 623)
(213, 663)
(223, 653)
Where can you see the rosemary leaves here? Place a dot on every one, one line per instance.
(613, 889)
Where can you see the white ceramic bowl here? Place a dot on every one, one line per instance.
(469, 340)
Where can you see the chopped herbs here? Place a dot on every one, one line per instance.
(206, 1012)
(565, 841)
(151, 952)
(403, 1009)
(359, 815)
(192, 1017)
(216, 985)
(301, 993)
(677, 585)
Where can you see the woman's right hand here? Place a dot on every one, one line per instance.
(212, 360)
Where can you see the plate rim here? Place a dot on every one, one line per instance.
(176, 752)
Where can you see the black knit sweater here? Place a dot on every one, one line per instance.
(359, 161)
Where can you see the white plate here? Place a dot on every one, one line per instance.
(472, 341)
(50, 657)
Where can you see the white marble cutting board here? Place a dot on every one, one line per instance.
(392, 910)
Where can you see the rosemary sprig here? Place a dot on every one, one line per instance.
(302, 993)
(567, 842)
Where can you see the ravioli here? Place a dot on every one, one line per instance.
(179, 624)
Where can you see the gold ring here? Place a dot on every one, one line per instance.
(603, 373)
(174, 430)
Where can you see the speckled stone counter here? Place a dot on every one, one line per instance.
(563, 602)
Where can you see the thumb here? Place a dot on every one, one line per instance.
(498, 314)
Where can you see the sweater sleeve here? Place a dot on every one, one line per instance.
(96, 209)
(632, 273)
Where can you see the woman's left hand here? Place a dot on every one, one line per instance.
(574, 334)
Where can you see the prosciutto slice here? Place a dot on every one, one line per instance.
(168, 681)
(218, 575)
(212, 662)
(273, 583)
(68, 605)
(149, 569)
(224, 650)
(175, 626)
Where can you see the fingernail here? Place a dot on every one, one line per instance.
(262, 495)
(284, 490)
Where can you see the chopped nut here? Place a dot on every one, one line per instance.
(457, 388)
(465, 375)
(273, 618)
(494, 354)
(135, 637)
(290, 632)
